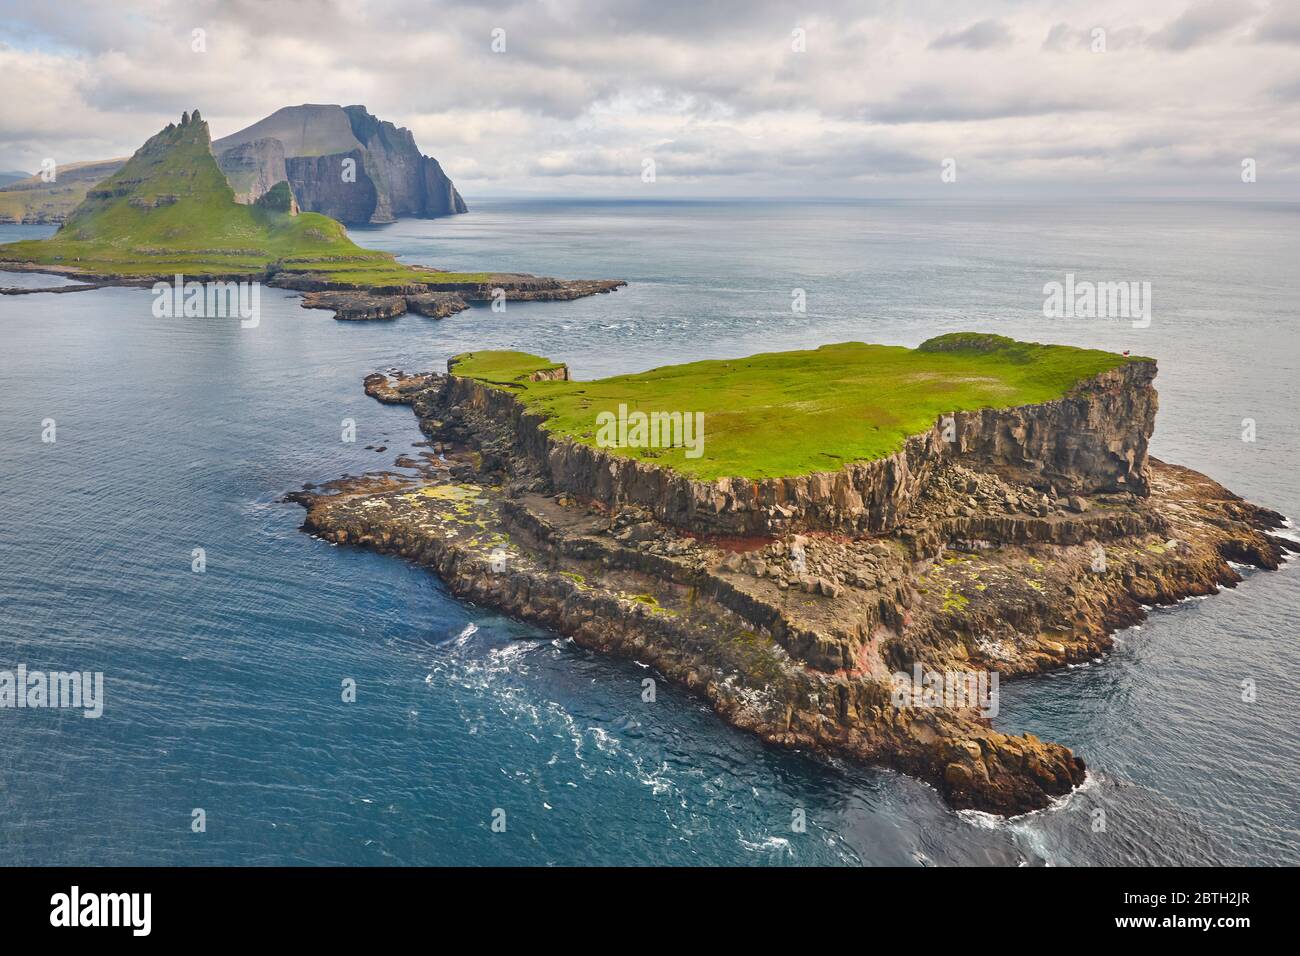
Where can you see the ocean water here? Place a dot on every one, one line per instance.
(223, 688)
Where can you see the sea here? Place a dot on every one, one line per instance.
(474, 739)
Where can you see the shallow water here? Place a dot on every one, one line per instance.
(223, 688)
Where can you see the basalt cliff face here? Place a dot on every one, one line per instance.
(1019, 549)
(1092, 440)
(340, 161)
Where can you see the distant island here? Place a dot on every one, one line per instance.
(841, 549)
(170, 210)
(341, 161)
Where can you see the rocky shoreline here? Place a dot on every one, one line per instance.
(439, 300)
(1018, 548)
(349, 301)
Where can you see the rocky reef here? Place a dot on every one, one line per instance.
(827, 612)
(436, 300)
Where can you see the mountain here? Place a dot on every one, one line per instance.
(305, 146)
(309, 146)
(12, 176)
(32, 199)
(169, 208)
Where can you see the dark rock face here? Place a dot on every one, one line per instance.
(340, 161)
(1093, 440)
(415, 184)
(318, 184)
(253, 169)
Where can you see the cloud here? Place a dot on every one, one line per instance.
(1281, 24)
(1062, 38)
(1202, 22)
(872, 101)
(984, 35)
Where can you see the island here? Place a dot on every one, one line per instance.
(170, 211)
(819, 543)
(341, 161)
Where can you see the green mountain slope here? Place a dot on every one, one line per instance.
(169, 208)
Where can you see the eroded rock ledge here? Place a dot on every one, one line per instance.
(350, 301)
(436, 300)
(1016, 551)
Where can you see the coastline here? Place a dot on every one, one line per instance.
(348, 300)
(768, 650)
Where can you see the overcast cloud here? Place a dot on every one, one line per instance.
(719, 94)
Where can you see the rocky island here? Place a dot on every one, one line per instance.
(171, 211)
(823, 543)
(341, 161)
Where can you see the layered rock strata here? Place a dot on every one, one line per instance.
(1094, 439)
(1001, 558)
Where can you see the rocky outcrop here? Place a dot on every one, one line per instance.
(808, 640)
(436, 300)
(1094, 439)
(279, 198)
(356, 306)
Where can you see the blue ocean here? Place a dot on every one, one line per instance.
(222, 688)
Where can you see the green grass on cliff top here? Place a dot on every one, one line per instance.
(793, 413)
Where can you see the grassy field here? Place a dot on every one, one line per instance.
(169, 210)
(794, 413)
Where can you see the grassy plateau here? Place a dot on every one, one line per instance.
(792, 413)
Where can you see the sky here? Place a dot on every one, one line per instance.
(1162, 98)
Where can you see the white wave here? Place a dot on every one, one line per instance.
(991, 821)
(765, 846)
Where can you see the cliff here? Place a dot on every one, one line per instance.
(170, 210)
(986, 568)
(1092, 439)
(303, 145)
(319, 148)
